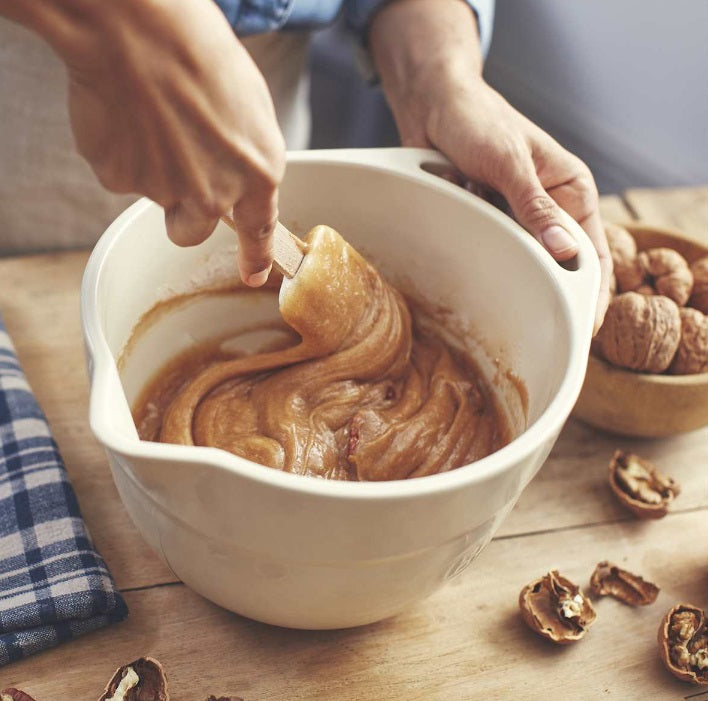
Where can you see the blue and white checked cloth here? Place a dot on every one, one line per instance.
(53, 584)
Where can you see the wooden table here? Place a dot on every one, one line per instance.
(465, 642)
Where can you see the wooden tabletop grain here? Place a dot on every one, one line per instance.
(465, 642)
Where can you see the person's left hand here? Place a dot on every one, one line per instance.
(440, 100)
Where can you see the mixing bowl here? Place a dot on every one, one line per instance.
(300, 551)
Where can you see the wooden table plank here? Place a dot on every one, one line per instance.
(39, 301)
(684, 209)
(571, 488)
(465, 642)
(614, 209)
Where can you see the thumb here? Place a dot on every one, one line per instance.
(538, 212)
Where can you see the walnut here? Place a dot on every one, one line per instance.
(640, 487)
(224, 698)
(608, 579)
(555, 608)
(141, 680)
(640, 333)
(699, 295)
(683, 643)
(14, 695)
(667, 272)
(623, 248)
(692, 354)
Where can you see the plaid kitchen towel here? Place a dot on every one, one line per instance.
(53, 584)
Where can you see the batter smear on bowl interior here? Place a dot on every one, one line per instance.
(364, 395)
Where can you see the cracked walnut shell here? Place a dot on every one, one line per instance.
(141, 680)
(610, 580)
(699, 295)
(555, 608)
(639, 332)
(14, 695)
(683, 643)
(640, 487)
(667, 272)
(692, 353)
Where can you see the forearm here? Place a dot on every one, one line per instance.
(419, 43)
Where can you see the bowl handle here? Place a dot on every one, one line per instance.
(579, 278)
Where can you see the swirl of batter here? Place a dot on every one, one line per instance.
(362, 396)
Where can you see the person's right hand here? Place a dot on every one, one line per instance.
(164, 101)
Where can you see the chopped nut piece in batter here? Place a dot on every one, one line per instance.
(640, 487)
(555, 608)
(608, 579)
(683, 643)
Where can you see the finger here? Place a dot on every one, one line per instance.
(535, 209)
(255, 217)
(188, 225)
(596, 232)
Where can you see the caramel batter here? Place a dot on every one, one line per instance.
(363, 395)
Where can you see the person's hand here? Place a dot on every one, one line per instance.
(440, 100)
(164, 101)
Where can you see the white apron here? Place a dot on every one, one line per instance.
(49, 197)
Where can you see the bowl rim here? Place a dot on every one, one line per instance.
(104, 374)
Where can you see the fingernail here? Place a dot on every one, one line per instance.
(557, 240)
(259, 278)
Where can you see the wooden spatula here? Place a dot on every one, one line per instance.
(288, 249)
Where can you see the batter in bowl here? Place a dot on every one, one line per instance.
(364, 395)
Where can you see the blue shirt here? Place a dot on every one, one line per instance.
(260, 16)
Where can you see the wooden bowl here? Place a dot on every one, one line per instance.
(639, 404)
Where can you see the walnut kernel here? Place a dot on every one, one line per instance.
(692, 354)
(640, 487)
(699, 295)
(683, 643)
(608, 579)
(555, 608)
(667, 272)
(640, 333)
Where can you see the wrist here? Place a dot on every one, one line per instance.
(423, 50)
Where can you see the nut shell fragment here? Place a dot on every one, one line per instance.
(668, 273)
(640, 487)
(683, 643)
(610, 580)
(640, 332)
(692, 354)
(555, 608)
(699, 295)
(140, 680)
(14, 695)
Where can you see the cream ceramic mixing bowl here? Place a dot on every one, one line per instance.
(300, 551)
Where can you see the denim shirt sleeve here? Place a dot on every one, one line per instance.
(358, 13)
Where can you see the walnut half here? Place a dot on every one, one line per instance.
(555, 608)
(608, 579)
(14, 695)
(683, 643)
(141, 680)
(640, 487)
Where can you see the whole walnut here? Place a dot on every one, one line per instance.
(699, 296)
(692, 354)
(623, 248)
(639, 332)
(667, 272)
